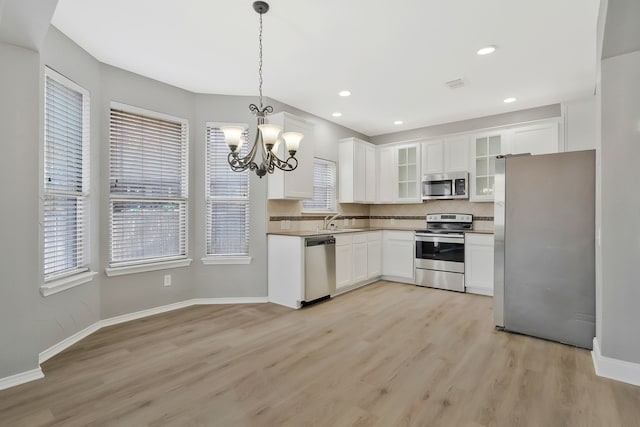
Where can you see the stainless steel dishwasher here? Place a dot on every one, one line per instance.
(319, 268)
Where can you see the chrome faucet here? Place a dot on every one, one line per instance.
(328, 219)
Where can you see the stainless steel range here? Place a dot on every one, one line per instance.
(440, 251)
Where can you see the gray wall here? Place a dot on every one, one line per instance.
(63, 314)
(19, 124)
(504, 119)
(620, 207)
(215, 281)
(31, 323)
(622, 28)
(134, 292)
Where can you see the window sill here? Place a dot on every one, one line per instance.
(66, 283)
(230, 260)
(141, 268)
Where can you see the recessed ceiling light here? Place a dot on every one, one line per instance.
(344, 93)
(336, 114)
(398, 122)
(486, 50)
(509, 100)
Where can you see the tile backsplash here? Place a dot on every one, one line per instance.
(413, 215)
(287, 215)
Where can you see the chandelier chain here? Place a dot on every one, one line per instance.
(260, 62)
(270, 160)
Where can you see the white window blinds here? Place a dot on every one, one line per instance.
(148, 175)
(66, 177)
(227, 199)
(324, 188)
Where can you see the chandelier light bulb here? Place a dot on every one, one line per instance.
(233, 137)
(292, 140)
(269, 134)
(274, 149)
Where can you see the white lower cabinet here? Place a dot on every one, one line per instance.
(358, 258)
(398, 253)
(285, 253)
(374, 254)
(478, 263)
(344, 261)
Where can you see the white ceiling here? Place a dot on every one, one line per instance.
(393, 56)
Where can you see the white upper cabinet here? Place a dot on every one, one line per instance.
(296, 184)
(432, 157)
(456, 154)
(540, 138)
(371, 174)
(484, 149)
(408, 179)
(445, 155)
(386, 176)
(356, 171)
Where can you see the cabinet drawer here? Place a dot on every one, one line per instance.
(408, 236)
(479, 239)
(373, 236)
(359, 237)
(344, 239)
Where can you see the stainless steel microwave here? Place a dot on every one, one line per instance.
(452, 185)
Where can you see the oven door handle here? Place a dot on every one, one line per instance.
(440, 239)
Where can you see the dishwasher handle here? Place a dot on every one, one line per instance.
(318, 241)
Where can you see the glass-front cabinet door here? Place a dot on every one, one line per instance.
(486, 147)
(408, 188)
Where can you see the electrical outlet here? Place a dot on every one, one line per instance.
(167, 280)
(393, 221)
(287, 224)
(346, 222)
(353, 221)
(283, 225)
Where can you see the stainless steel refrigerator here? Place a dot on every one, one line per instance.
(544, 277)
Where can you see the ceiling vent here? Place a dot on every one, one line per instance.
(455, 84)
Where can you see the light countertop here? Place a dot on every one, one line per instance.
(307, 233)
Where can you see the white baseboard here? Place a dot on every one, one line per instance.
(353, 287)
(67, 342)
(616, 369)
(21, 378)
(237, 300)
(144, 313)
(398, 279)
(479, 291)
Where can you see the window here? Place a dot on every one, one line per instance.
(148, 175)
(66, 177)
(227, 195)
(324, 188)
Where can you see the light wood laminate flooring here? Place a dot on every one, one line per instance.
(385, 355)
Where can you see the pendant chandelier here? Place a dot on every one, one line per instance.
(268, 137)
